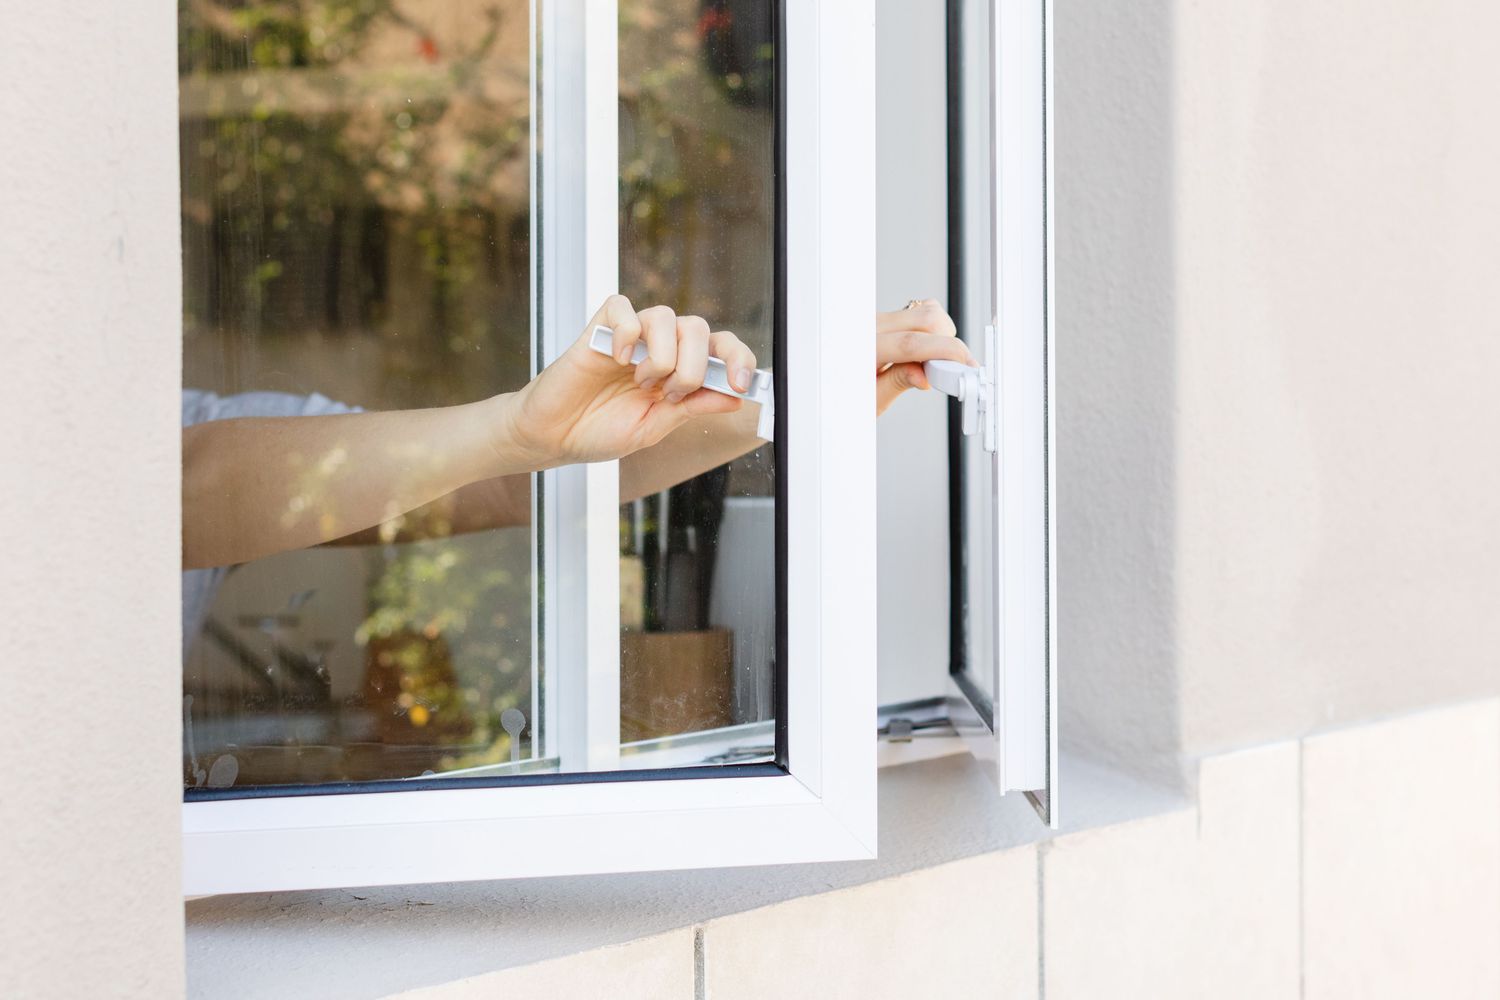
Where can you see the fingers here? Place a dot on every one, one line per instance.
(677, 348)
(692, 358)
(895, 380)
(921, 332)
(739, 360)
(705, 402)
(899, 346)
(928, 316)
(907, 337)
(666, 416)
(685, 397)
(660, 326)
(619, 315)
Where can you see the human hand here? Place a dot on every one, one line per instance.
(907, 337)
(585, 407)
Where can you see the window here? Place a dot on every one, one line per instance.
(419, 204)
(390, 206)
(356, 221)
(348, 244)
(1003, 646)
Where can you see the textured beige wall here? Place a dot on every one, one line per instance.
(1115, 379)
(1338, 355)
(1280, 355)
(89, 345)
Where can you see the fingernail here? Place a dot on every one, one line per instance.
(675, 397)
(650, 383)
(624, 356)
(740, 379)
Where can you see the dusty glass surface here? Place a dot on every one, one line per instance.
(697, 229)
(356, 185)
(355, 219)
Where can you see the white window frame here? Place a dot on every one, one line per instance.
(1009, 528)
(578, 268)
(823, 807)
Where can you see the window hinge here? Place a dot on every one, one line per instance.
(975, 390)
(904, 730)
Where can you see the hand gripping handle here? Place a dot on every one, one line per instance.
(761, 391)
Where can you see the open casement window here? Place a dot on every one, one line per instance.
(421, 204)
(1003, 653)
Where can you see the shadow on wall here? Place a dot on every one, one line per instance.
(1116, 384)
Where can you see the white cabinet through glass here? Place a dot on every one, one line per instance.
(365, 199)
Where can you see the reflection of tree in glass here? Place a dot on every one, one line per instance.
(355, 186)
(697, 140)
(447, 651)
(695, 157)
(362, 165)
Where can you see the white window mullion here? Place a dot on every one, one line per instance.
(580, 268)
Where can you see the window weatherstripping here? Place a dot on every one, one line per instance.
(1001, 423)
(818, 802)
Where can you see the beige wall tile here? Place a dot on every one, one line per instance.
(1193, 904)
(653, 968)
(965, 929)
(1401, 857)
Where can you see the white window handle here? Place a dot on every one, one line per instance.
(762, 388)
(974, 388)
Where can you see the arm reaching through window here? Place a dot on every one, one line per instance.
(253, 487)
(903, 340)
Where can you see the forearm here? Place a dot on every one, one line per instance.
(491, 503)
(693, 449)
(254, 487)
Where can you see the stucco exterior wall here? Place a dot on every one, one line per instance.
(1337, 236)
(89, 344)
(1277, 236)
(1116, 382)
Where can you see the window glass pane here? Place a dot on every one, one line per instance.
(972, 304)
(355, 225)
(697, 230)
(357, 183)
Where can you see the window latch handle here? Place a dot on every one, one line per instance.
(762, 386)
(974, 388)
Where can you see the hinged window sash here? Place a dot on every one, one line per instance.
(1001, 425)
(821, 805)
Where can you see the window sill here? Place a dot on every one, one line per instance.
(376, 942)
